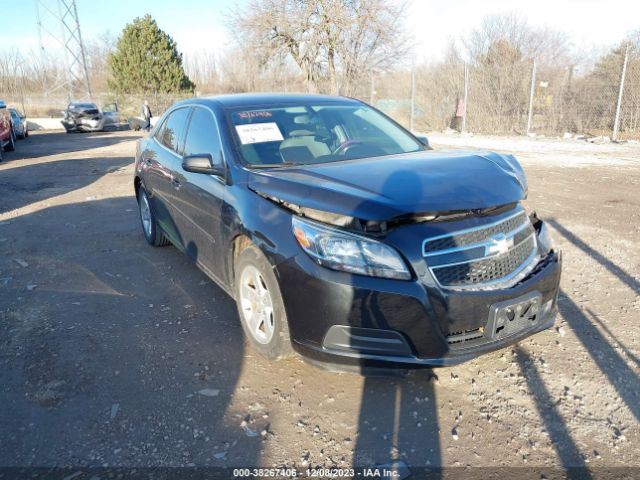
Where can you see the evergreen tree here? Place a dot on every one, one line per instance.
(147, 60)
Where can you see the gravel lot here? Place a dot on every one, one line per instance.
(113, 353)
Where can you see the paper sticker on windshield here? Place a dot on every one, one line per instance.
(259, 132)
(254, 114)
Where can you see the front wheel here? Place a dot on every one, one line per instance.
(152, 233)
(260, 305)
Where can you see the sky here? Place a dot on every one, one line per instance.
(199, 25)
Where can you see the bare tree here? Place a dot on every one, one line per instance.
(501, 53)
(97, 52)
(203, 68)
(333, 42)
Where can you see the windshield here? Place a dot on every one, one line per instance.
(83, 106)
(311, 134)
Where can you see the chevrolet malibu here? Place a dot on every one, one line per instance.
(344, 237)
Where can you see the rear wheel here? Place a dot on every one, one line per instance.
(11, 146)
(152, 233)
(260, 305)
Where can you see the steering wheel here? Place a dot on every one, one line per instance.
(345, 146)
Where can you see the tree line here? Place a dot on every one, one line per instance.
(360, 48)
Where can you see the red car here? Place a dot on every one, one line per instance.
(7, 135)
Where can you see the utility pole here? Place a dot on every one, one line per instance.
(61, 16)
(531, 95)
(413, 97)
(372, 89)
(616, 123)
(466, 94)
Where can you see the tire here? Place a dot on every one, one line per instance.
(26, 131)
(152, 233)
(11, 146)
(262, 314)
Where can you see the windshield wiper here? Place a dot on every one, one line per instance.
(273, 165)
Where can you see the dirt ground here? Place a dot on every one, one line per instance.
(113, 353)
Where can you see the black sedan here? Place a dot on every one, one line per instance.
(343, 236)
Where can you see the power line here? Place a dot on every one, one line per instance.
(59, 27)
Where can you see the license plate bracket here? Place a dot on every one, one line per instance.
(514, 316)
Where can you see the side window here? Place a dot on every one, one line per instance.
(202, 136)
(171, 134)
(158, 134)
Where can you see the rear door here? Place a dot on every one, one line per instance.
(199, 203)
(163, 158)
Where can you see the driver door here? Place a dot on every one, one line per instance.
(199, 204)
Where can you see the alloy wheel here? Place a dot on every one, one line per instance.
(256, 305)
(145, 215)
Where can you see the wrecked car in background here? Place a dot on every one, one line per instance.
(20, 124)
(342, 235)
(87, 117)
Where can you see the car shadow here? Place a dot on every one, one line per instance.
(625, 277)
(611, 364)
(566, 448)
(398, 425)
(40, 144)
(113, 353)
(609, 361)
(631, 355)
(24, 185)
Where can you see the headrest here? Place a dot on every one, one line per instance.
(302, 119)
(301, 133)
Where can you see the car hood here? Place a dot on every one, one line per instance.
(86, 113)
(383, 188)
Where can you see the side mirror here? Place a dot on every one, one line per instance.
(424, 141)
(202, 163)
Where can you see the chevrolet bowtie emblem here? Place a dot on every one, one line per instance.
(498, 244)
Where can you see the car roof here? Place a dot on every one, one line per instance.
(254, 99)
(2, 104)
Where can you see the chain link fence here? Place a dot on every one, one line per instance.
(520, 97)
(43, 105)
(508, 96)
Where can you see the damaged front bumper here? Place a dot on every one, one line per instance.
(82, 124)
(371, 322)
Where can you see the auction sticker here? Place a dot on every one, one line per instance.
(259, 132)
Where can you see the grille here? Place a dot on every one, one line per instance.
(487, 270)
(459, 339)
(475, 236)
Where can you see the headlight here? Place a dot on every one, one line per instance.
(545, 241)
(348, 252)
